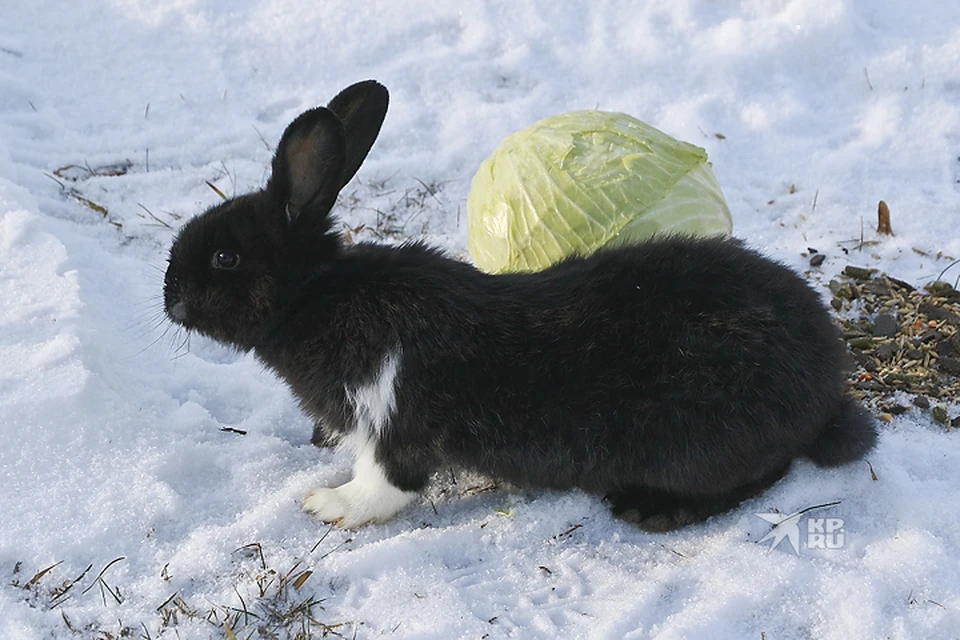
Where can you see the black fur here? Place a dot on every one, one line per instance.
(678, 377)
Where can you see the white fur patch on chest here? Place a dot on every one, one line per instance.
(374, 402)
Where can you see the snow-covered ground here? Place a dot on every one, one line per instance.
(113, 453)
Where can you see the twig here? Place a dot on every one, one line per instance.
(232, 430)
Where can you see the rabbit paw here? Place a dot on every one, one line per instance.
(658, 511)
(326, 504)
(356, 503)
(369, 497)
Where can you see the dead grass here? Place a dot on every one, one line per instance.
(384, 210)
(267, 603)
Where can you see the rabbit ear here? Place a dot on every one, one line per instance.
(309, 164)
(362, 108)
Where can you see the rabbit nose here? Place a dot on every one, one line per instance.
(178, 312)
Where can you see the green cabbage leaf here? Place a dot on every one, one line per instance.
(578, 181)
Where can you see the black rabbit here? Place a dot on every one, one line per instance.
(677, 377)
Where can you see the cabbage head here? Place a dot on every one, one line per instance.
(578, 181)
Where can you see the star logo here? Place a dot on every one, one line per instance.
(783, 527)
(787, 526)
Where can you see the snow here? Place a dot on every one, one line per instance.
(111, 427)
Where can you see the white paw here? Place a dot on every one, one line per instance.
(369, 497)
(326, 504)
(355, 503)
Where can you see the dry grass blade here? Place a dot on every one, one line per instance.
(947, 268)
(263, 140)
(568, 531)
(67, 622)
(254, 546)
(168, 600)
(77, 173)
(89, 203)
(36, 578)
(102, 572)
(150, 213)
(215, 190)
(322, 538)
(346, 541)
(430, 190)
(300, 579)
(819, 506)
(59, 594)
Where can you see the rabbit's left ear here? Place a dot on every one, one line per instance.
(362, 108)
(309, 165)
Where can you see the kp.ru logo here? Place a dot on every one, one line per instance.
(821, 533)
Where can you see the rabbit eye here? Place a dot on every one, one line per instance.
(226, 260)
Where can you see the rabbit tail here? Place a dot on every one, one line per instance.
(847, 438)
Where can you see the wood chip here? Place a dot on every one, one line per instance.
(883, 219)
